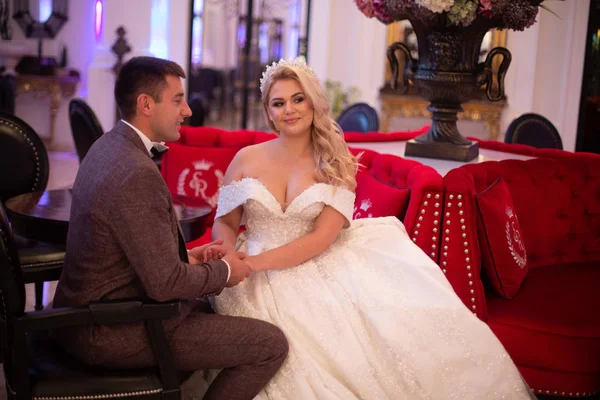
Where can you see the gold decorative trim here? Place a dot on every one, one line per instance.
(56, 87)
(411, 106)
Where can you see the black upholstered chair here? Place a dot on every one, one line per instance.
(359, 117)
(7, 93)
(24, 168)
(35, 367)
(198, 106)
(85, 127)
(533, 130)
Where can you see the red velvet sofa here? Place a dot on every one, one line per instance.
(387, 185)
(523, 149)
(521, 247)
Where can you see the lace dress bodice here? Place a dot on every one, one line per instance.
(268, 224)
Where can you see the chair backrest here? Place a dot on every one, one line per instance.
(24, 165)
(12, 288)
(7, 93)
(359, 117)
(533, 130)
(12, 295)
(85, 127)
(198, 108)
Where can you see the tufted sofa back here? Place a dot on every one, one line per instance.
(557, 202)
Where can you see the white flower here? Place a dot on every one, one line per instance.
(463, 12)
(436, 6)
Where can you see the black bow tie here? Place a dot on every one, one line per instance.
(157, 153)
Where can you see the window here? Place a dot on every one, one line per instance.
(197, 33)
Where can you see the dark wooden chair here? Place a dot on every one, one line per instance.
(533, 130)
(85, 127)
(24, 168)
(36, 367)
(359, 117)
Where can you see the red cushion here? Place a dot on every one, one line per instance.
(196, 173)
(503, 252)
(375, 198)
(551, 329)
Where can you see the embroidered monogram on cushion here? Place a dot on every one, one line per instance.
(503, 251)
(195, 174)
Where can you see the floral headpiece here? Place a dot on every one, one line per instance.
(297, 63)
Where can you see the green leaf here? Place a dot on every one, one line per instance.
(545, 7)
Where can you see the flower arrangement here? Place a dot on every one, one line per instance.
(503, 14)
(339, 98)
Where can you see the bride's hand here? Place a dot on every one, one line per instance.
(208, 252)
(253, 262)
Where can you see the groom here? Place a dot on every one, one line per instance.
(124, 242)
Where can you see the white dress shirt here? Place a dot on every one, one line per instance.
(161, 146)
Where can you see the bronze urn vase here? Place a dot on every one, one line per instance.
(447, 73)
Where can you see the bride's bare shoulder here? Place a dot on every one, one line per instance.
(246, 160)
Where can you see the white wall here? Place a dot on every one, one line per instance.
(347, 47)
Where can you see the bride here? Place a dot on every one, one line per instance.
(367, 314)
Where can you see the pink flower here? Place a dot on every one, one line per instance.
(381, 12)
(486, 4)
(366, 7)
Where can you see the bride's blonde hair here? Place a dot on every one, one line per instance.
(335, 164)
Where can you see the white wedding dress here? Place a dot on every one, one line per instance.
(371, 318)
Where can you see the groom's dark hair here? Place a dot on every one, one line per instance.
(142, 75)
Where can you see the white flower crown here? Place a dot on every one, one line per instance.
(297, 63)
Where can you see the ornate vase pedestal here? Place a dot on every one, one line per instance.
(447, 73)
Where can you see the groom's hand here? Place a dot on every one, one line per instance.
(239, 268)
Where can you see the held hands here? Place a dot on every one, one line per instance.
(240, 268)
(208, 252)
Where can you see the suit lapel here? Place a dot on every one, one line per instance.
(126, 131)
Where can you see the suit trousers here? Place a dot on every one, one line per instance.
(248, 351)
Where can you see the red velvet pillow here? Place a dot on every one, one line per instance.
(195, 174)
(378, 199)
(503, 252)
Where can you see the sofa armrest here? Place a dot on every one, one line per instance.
(460, 256)
(424, 213)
